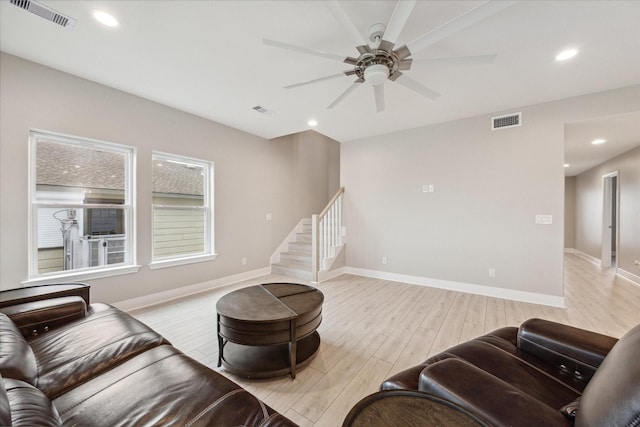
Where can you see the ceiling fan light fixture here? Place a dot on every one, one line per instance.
(376, 74)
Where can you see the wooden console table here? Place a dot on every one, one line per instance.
(268, 330)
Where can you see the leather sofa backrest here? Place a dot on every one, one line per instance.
(16, 356)
(612, 397)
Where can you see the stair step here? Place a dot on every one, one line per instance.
(303, 237)
(296, 258)
(290, 271)
(300, 247)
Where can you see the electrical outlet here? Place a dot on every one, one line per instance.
(492, 272)
(427, 188)
(269, 217)
(244, 261)
(384, 260)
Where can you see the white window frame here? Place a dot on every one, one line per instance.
(128, 207)
(208, 206)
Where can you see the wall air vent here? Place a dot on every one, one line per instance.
(45, 12)
(507, 121)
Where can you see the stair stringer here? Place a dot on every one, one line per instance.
(284, 246)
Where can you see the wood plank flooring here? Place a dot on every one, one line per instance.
(374, 328)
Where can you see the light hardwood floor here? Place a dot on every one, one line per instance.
(373, 328)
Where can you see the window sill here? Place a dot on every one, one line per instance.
(83, 275)
(181, 261)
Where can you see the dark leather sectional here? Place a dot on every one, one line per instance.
(65, 363)
(541, 374)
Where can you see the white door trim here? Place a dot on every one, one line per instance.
(607, 216)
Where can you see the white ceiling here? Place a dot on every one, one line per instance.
(207, 58)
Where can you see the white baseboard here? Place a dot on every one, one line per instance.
(323, 276)
(173, 294)
(628, 276)
(591, 259)
(490, 291)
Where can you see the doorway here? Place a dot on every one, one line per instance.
(610, 190)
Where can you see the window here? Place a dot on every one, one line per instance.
(182, 210)
(81, 194)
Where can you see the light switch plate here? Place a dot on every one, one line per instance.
(544, 219)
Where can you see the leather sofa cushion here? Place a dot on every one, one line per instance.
(486, 395)
(514, 370)
(162, 386)
(612, 397)
(16, 357)
(29, 406)
(82, 349)
(503, 338)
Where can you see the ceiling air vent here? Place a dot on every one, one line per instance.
(507, 121)
(260, 109)
(45, 12)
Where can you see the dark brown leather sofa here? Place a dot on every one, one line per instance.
(65, 363)
(541, 374)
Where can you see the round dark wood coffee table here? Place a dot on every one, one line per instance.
(400, 408)
(268, 330)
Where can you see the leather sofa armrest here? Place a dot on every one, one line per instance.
(573, 351)
(5, 409)
(485, 395)
(37, 317)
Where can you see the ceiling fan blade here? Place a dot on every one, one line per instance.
(416, 86)
(458, 23)
(338, 13)
(398, 20)
(321, 79)
(378, 91)
(346, 93)
(457, 60)
(305, 50)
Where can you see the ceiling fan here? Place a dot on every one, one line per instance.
(378, 61)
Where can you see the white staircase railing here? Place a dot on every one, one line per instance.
(327, 234)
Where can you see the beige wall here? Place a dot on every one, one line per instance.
(253, 176)
(316, 165)
(489, 186)
(589, 198)
(569, 212)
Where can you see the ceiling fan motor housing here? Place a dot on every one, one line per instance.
(376, 66)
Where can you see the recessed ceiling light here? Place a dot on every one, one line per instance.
(566, 165)
(312, 123)
(566, 54)
(105, 18)
(598, 141)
